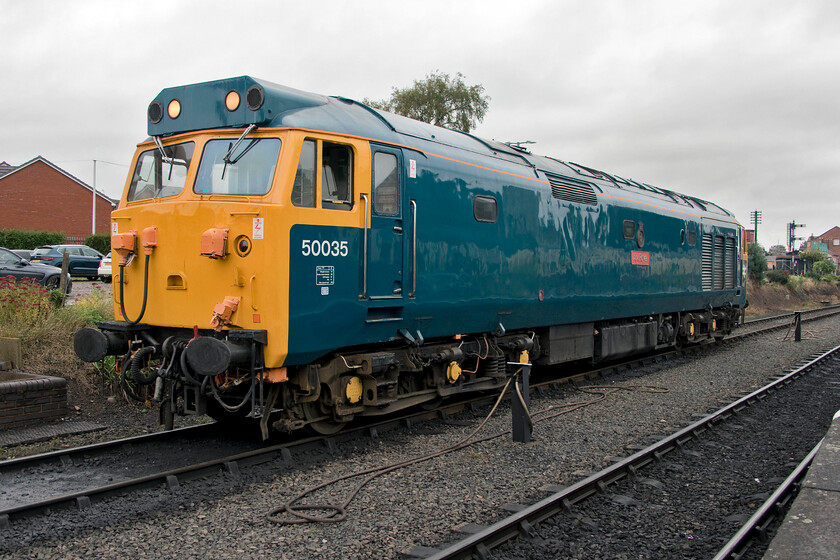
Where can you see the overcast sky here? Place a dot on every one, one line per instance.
(732, 101)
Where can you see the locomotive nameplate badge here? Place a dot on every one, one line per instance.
(258, 228)
(641, 258)
(325, 277)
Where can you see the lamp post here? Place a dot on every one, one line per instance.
(93, 219)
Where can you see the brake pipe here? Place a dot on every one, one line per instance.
(145, 293)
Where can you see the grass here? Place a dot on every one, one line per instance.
(45, 326)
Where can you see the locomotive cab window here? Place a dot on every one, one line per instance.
(246, 169)
(333, 178)
(386, 186)
(485, 209)
(303, 190)
(159, 175)
(336, 176)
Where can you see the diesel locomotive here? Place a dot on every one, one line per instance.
(305, 260)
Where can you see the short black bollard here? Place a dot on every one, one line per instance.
(797, 320)
(519, 413)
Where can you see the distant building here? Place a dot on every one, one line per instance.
(750, 235)
(40, 196)
(828, 243)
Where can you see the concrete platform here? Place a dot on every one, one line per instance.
(811, 528)
(45, 432)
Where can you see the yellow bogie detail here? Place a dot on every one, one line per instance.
(453, 372)
(353, 390)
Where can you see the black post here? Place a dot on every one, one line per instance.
(797, 333)
(519, 414)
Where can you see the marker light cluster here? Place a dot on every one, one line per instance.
(254, 99)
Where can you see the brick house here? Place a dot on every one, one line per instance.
(829, 240)
(40, 196)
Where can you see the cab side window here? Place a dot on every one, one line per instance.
(327, 166)
(303, 191)
(336, 176)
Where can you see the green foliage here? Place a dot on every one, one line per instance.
(824, 268)
(30, 312)
(777, 276)
(757, 262)
(812, 256)
(99, 241)
(777, 250)
(440, 100)
(22, 239)
(24, 304)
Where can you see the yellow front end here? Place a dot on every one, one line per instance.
(215, 259)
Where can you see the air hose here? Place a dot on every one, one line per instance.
(137, 364)
(145, 293)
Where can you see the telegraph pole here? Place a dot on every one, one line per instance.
(755, 218)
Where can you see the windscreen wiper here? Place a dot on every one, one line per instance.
(233, 147)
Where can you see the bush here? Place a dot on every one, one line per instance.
(757, 263)
(777, 276)
(99, 241)
(24, 307)
(30, 312)
(21, 239)
(824, 268)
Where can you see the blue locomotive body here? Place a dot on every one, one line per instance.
(361, 262)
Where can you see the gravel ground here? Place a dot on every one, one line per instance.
(420, 505)
(693, 502)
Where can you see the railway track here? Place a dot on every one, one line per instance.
(78, 478)
(619, 489)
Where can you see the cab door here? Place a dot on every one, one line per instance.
(387, 231)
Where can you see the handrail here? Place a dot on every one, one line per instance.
(413, 204)
(363, 295)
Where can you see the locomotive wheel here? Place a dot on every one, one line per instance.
(322, 426)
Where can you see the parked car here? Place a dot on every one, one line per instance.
(48, 276)
(25, 254)
(84, 261)
(105, 268)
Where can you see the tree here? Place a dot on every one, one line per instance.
(757, 262)
(812, 256)
(439, 100)
(777, 250)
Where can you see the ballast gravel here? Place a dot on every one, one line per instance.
(421, 505)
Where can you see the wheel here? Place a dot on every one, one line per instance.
(106, 279)
(52, 282)
(325, 425)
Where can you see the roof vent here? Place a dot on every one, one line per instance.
(572, 190)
